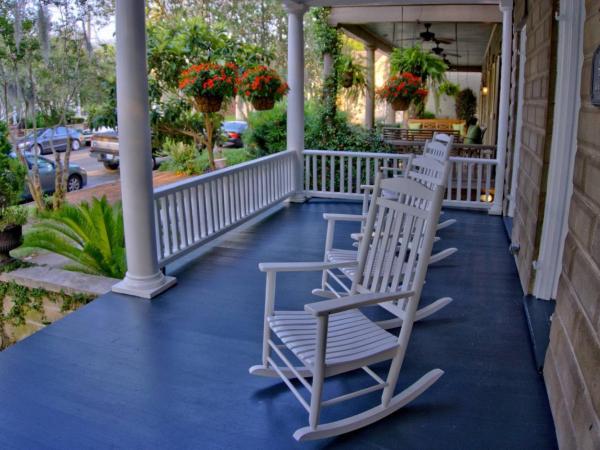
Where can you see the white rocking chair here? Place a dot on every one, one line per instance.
(426, 171)
(333, 337)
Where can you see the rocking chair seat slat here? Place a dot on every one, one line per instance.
(351, 337)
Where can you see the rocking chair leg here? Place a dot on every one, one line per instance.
(319, 375)
(269, 301)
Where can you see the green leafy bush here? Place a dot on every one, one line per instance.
(266, 132)
(12, 183)
(183, 159)
(236, 156)
(466, 104)
(427, 115)
(91, 235)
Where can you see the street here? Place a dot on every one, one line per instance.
(96, 172)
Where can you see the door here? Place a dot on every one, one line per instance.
(60, 139)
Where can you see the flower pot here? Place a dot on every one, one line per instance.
(263, 104)
(208, 104)
(400, 104)
(347, 79)
(10, 239)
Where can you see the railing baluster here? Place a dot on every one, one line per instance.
(202, 210)
(342, 174)
(479, 174)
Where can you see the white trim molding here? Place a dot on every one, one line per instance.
(563, 149)
(504, 107)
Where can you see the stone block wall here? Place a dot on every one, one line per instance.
(572, 366)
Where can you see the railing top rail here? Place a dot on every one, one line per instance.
(491, 161)
(357, 154)
(220, 173)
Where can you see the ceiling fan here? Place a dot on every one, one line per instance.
(429, 36)
(440, 51)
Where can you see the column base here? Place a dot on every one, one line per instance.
(495, 210)
(144, 287)
(298, 198)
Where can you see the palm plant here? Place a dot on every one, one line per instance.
(89, 235)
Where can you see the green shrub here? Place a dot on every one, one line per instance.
(12, 183)
(427, 115)
(236, 156)
(91, 235)
(183, 159)
(266, 132)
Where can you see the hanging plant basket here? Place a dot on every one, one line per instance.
(207, 104)
(400, 104)
(263, 104)
(347, 80)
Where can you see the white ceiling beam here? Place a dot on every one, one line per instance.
(378, 14)
(366, 37)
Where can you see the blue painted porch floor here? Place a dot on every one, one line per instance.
(173, 372)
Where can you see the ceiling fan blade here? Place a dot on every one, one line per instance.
(445, 40)
(454, 55)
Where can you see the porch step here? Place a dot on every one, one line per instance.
(57, 280)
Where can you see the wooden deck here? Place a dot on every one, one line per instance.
(173, 372)
(112, 190)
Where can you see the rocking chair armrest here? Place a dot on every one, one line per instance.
(345, 217)
(315, 266)
(367, 187)
(326, 307)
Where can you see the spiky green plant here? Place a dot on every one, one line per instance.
(91, 235)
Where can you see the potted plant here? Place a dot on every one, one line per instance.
(208, 84)
(351, 73)
(400, 90)
(263, 87)
(12, 183)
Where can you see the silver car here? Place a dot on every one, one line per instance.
(76, 179)
(42, 144)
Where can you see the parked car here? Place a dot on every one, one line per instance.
(86, 137)
(48, 136)
(105, 148)
(76, 179)
(233, 131)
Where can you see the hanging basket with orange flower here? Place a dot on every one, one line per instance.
(400, 90)
(208, 84)
(262, 87)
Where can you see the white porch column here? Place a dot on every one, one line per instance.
(295, 106)
(370, 92)
(503, 110)
(143, 278)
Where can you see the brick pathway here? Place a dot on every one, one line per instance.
(112, 190)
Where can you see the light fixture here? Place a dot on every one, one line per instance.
(487, 198)
(484, 90)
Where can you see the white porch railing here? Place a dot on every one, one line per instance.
(337, 174)
(194, 211)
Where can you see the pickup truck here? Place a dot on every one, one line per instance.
(105, 148)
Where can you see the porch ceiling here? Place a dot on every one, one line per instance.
(396, 23)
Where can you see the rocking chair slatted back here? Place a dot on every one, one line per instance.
(396, 227)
